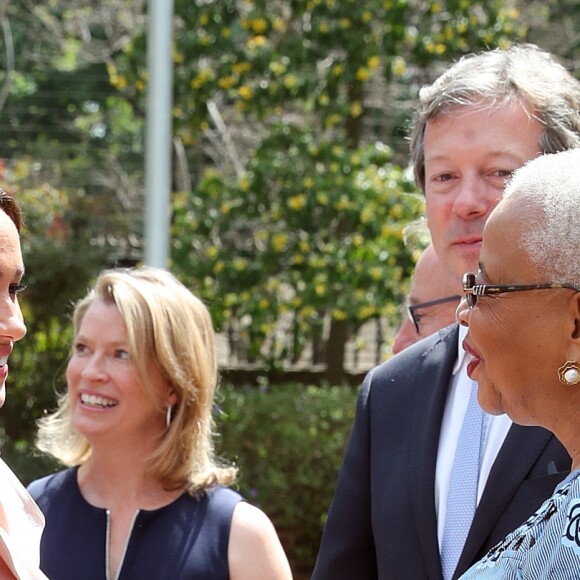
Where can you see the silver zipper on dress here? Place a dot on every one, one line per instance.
(124, 548)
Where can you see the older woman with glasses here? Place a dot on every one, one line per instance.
(523, 313)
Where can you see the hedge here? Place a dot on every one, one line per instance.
(288, 442)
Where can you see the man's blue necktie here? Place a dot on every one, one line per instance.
(462, 498)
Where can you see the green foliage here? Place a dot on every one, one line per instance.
(312, 231)
(63, 249)
(288, 442)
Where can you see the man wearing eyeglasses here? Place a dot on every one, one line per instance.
(399, 510)
(431, 304)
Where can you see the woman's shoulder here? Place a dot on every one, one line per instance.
(217, 501)
(52, 486)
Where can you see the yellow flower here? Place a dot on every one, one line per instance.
(366, 311)
(226, 82)
(230, 299)
(259, 25)
(264, 303)
(308, 182)
(362, 74)
(322, 198)
(342, 203)
(119, 82)
(291, 81)
(297, 202)
(357, 240)
(211, 252)
(256, 42)
(278, 68)
(332, 120)
(279, 241)
(375, 273)
(304, 246)
(279, 25)
(337, 69)
(244, 184)
(320, 289)
(356, 109)
(399, 66)
(338, 314)
(345, 23)
(373, 62)
(367, 214)
(218, 267)
(240, 68)
(246, 92)
(396, 211)
(435, 8)
(240, 264)
(367, 16)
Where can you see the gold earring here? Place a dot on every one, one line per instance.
(569, 373)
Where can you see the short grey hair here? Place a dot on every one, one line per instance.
(545, 89)
(550, 185)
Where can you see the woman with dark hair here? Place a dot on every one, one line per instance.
(21, 521)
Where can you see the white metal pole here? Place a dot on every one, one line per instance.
(158, 132)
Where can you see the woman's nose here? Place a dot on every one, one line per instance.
(12, 324)
(93, 367)
(463, 313)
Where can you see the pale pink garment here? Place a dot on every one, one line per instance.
(21, 525)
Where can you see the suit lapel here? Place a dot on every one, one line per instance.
(518, 454)
(432, 384)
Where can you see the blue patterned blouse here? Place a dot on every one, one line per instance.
(546, 546)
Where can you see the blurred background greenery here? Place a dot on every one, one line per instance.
(290, 194)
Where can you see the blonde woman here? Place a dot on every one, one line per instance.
(143, 496)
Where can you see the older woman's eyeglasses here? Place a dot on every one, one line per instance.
(412, 308)
(472, 291)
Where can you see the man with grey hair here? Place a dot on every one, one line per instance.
(429, 483)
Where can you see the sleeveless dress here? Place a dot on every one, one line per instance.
(186, 539)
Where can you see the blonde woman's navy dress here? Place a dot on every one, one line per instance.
(185, 539)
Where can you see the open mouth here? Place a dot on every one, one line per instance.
(97, 402)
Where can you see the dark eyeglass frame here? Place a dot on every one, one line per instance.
(472, 291)
(421, 305)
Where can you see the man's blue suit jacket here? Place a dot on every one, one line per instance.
(382, 521)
